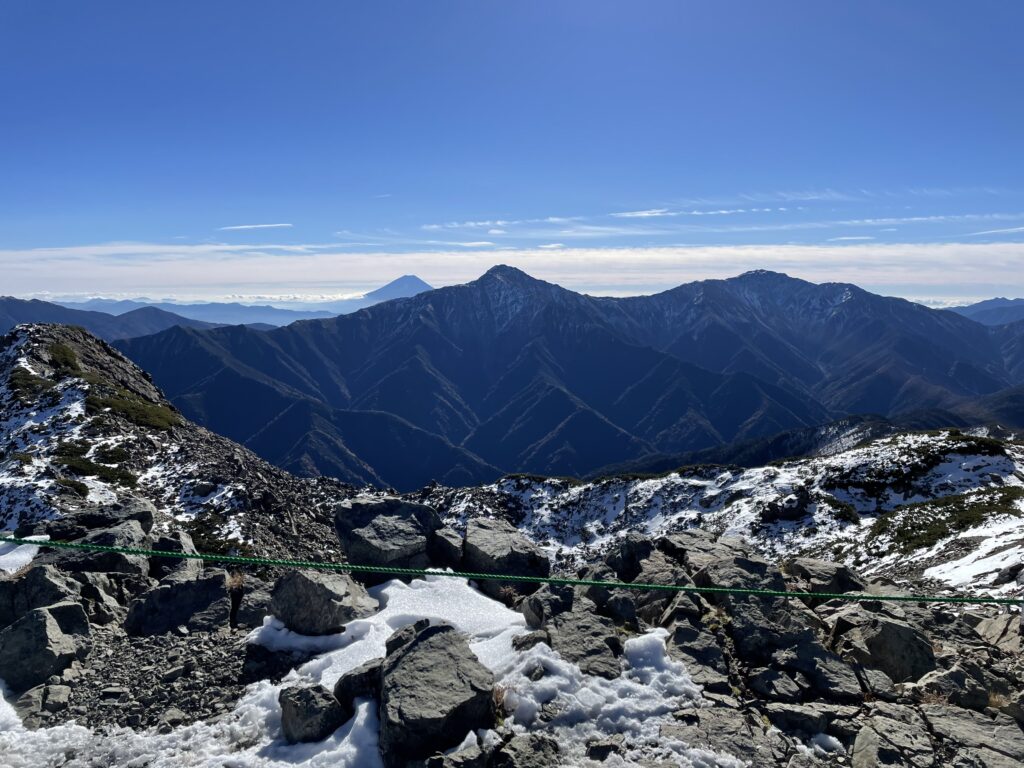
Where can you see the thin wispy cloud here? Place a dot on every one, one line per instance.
(849, 238)
(550, 246)
(997, 231)
(255, 226)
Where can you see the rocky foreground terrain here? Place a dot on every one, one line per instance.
(111, 659)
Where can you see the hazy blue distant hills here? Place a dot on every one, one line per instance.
(994, 311)
(233, 313)
(142, 321)
(511, 373)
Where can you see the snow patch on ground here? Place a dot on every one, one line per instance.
(650, 689)
(14, 557)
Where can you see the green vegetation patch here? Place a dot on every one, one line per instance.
(27, 385)
(134, 409)
(111, 454)
(75, 486)
(71, 456)
(922, 525)
(63, 359)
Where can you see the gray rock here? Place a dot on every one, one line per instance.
(319, 603)
(729, 730)
(1002, 631)
(808, 719)
(56, 697)
(173, 568)
(434, 692)
(963, 685)
(698, 648)
(130, 534)
(813, 575)
(471, 757)
(364, 680)
(309, 713)
(38, 587)
(973, 730)
(773, 684)
(532, 750)
(494, 546)
(586, 639)
(695, 548)
(893, 741)
(201, 605)
(254, 604)
(627, 554)
(548, 601)
(385, 531)
(828, 674)
(43, 642)
(445, 548)
(898, 649)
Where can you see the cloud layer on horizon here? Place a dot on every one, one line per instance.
(929, 271)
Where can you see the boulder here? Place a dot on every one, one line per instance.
(627, 554)
(495, 546)
(129, 534)
(695, 548)
(387, 532)
(309, 713)
(40, 586)
(550, 600)
(975, 731)
(893, 736)
(699, 650)
(445, 548)
(587, 639)
(319, 602)
(729, 730)
(1002, 631)
(811, 575)
(434, 692)
(201, 605)
(962, 685)
(364, 680)
(253, 602)
(896, 648)
(531, 750)
(43, 642)
(162, 568)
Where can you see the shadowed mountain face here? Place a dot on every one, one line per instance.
(994, 311)
(515, 374)
(138, 322)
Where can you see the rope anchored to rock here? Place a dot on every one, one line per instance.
(508, 577)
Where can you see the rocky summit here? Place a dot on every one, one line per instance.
(127, 659)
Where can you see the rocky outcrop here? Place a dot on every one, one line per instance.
(309, 713)
(198, 604)
(495, 546)
(43, 642)
(318, 602)
(434, 692)
(386, 531)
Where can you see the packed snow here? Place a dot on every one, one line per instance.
(652, 686)
(14, 557)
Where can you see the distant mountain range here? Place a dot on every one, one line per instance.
(509, 373)
(224, 313)
(994, 311)
(142, 321)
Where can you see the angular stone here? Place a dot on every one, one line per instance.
(1002, 631)
(532, 750)
(201, 605)
(309, 713)
(37, 588)
(434, 692)
(494, 546)
(319, 603)
(893, 741)
(364, 680)
(128, 534)
(387, 532)
(548, 601)
(587, 640)
(40, 644)
(445, 548)
(966, 728)
(898, 649)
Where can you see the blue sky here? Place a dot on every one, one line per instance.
(616, 147)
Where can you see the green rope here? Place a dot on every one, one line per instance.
(559, 581)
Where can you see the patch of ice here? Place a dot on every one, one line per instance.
(14, 557)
